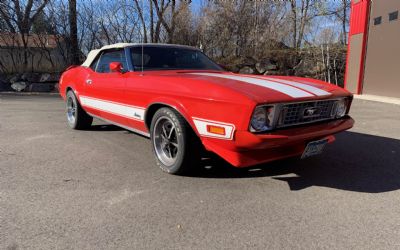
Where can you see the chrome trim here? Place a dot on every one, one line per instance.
(318, 100)
(122, 126)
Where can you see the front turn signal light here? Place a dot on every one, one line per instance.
(216, 130)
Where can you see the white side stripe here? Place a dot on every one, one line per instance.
(131, 112)
(312, 89)
(285, 89)
(201, 126)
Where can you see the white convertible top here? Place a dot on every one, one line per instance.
(93, 54)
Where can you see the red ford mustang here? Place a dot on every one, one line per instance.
(185, 102)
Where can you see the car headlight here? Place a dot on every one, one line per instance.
(341, 108)
(262, 119)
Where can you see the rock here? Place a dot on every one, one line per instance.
(30, 77)
(272, 67)
(40, 87)
(56, 87)
(233, 68)
(55, 77)
(290, 72)
(5, 86)
(273, 73)
(260, 67)
(246, 70)
(18, 86)
(249, 61)
(265, 65)
(15, 78)
(50, 77)
(44, 77)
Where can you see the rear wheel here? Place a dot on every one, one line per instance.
(77, 118)
(175, 145)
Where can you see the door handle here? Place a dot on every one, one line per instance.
(89, 81)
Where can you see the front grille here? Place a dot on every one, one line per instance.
(305, 112)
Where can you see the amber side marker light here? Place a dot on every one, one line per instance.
(215, 130)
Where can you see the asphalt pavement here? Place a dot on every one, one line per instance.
(101, 189)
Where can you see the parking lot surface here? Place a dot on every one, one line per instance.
(101, 189)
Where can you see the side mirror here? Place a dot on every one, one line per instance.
(116, 67)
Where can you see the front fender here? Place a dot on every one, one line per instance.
(178, 106)
(201, 113)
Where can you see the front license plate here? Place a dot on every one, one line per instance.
(314, 148)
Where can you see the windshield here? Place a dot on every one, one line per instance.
(169, 58)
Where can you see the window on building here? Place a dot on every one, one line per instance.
(393, 16)
(377, 20)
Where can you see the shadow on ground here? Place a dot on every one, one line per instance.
(355, 162)
(105, 128)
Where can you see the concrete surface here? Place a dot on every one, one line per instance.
(100, 189)
(376, 98)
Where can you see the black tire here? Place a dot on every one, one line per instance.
(77, 118)
(179, 153)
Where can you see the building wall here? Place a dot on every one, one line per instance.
(357, 44)
(12, 60)
(382, 65)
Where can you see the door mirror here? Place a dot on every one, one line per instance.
(116, 67)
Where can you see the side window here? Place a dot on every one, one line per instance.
(94, 64)
(103, 66)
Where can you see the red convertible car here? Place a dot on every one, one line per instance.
(186, 103)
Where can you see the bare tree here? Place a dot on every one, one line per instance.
(342, 15)
(141, 17)
(20, 16)
(303, 12)
(238, 33)
(73, 35)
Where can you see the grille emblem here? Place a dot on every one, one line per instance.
(311, 112)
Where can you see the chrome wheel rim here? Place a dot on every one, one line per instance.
(165, 141)
(71, 110)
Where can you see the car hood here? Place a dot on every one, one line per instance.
(263, 89)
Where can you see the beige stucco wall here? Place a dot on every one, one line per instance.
(382, 67)
(354, 63)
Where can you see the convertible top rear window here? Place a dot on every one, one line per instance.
(171, 58)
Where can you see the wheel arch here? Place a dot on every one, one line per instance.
(153, 107)
(70, 87)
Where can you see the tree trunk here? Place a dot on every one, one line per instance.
(303, 20)
(151, 22)
(73, 33)
(294, 22)
(344, 22)
(140, 11)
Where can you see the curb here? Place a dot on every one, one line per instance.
(11, 93)
(375, 98)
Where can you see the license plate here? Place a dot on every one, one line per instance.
(314, 148)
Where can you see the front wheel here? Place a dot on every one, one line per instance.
(77, 118)
(174, 143)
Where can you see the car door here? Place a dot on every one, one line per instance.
(104, 90)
